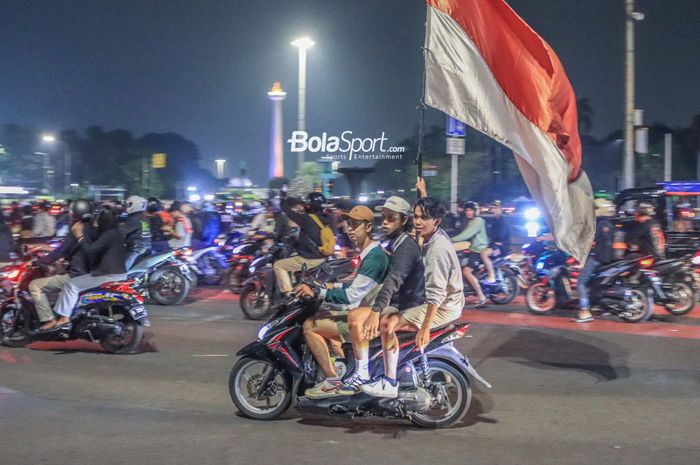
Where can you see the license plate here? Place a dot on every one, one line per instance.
(138, 313)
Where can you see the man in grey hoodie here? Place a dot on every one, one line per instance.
(444, 293)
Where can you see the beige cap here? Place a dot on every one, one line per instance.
(360, 213)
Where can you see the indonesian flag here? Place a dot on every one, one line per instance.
(487, 68)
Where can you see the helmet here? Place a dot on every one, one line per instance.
(135, 204)
(81, 210)
(106, 218)
(315, 202)
(471, 206)
(604, 207)
(645, 208)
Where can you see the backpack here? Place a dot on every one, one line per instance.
(327, 246)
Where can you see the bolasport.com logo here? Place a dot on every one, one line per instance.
(345, 146)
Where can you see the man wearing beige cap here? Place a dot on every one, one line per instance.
(373, 267)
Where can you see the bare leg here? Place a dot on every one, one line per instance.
(473, 282)
(316, 332)
(360, 345)
(485, 257)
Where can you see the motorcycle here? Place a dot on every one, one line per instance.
(504, 289)
(260, 294)
(112, 315)
(672, 284)
(239, 263)
(611, 288)
(275, 370)
(162, 277)
(525, 261)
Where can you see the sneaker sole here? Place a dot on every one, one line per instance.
(321, 396)
(383, 396)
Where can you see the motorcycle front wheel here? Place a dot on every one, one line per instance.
(13, 327)
(508, 288)
(168, 286)
(540, 299)
(244, 385)
(683, 299)
(452, 396)
(212, 271)
(256, 303)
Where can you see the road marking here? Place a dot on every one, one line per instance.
(212, 355)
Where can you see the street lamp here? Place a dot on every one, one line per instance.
(51, 139)
(303, 44)
(628, 162)
(220, 168)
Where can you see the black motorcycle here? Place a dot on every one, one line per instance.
(276, 369)
(239, 262)
(672, 283)
(260, 293)
(112, 315)
(619, 288)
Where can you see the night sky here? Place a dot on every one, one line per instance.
(202, 68)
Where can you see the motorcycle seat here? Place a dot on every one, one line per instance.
(668, 261)
(614, 264)
(406, 336)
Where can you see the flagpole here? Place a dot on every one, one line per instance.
(421, 124)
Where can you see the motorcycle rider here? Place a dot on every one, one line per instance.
(309, 242)
(159, 236)
(106, 255)
(647, 238)
(444, 292)
(181, 230)
(601, 254)
(499, 231)
(371, 271)
(475, 234)
(136, 230)
(44, 224)
(81, 210)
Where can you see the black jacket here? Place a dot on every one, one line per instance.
(603, 248)
(106, 254)
(137, 233)
(70, 250)
(404, 286)
(499, 230)
(650, 238)
(309, 232)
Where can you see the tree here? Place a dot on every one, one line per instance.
(306, 180)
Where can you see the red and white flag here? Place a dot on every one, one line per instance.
(487, 68)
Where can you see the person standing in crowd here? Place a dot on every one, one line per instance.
(212, 224)
(601, 254)
(181, 231)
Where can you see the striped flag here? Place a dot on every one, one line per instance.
(486, 67)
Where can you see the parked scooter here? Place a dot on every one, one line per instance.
(275, 370)
(112, 315)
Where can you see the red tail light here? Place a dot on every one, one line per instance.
(646, 262)
(356, 262)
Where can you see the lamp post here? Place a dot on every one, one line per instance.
(220, 168)
(628, 162)
(303, 44)
(67, 175)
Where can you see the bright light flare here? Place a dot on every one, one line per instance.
(303, 42)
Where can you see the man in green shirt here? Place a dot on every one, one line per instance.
(373, 268)
(475, 234)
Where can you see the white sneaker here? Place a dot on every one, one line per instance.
(323, 389)
(381, 388)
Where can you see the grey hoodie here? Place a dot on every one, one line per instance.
(443, 275)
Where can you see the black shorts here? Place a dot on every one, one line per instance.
(472, 260)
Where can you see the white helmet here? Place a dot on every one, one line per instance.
(135, 204)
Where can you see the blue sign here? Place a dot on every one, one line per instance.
(455, 128)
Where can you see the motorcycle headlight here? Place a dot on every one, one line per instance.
(262, 332)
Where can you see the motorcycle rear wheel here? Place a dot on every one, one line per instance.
(534, 301)
(13, 328)
(256, 304)
(212, 271)
(685, 302)
(124, 345)
(450, 379)
(244, 381)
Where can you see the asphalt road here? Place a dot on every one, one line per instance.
(560, 396)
